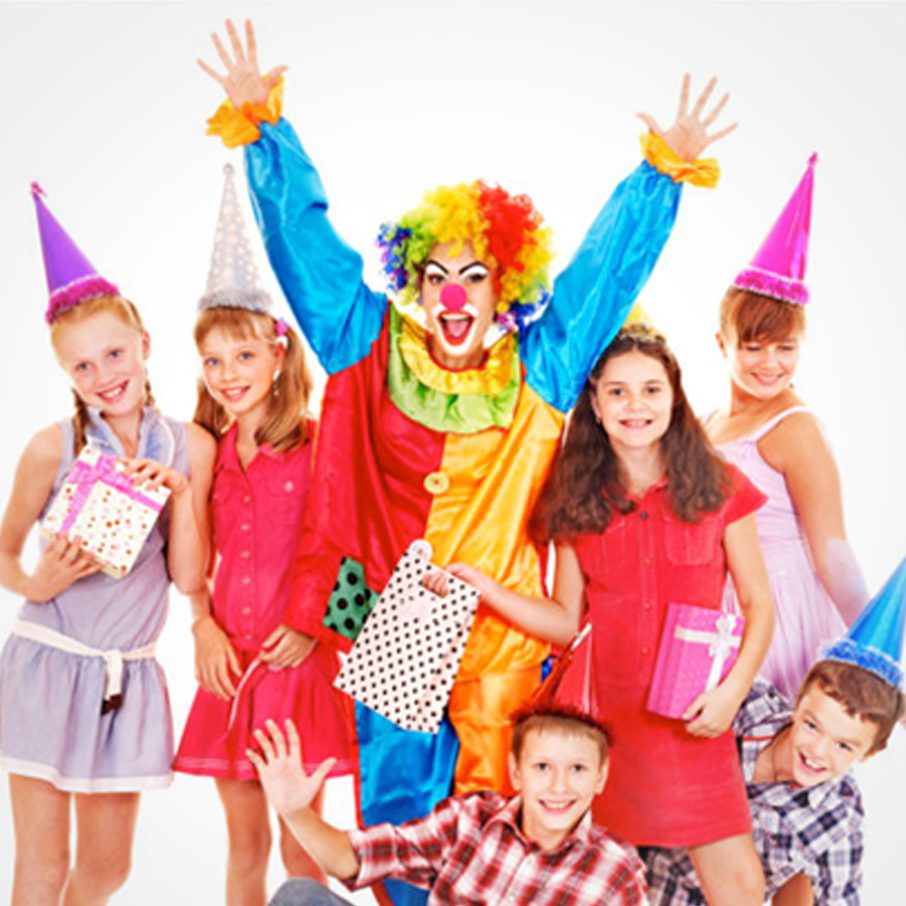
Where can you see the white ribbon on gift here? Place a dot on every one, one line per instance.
(720, 643)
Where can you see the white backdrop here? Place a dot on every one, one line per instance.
(103, 103)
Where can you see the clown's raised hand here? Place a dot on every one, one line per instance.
(688, 136)
(243, 81)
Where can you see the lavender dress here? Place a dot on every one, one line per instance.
(51, 726)
(806, 615)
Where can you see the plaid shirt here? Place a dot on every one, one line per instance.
(470, 849)
(814, 831)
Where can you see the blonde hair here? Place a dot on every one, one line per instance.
(287, 424)
(128, 314)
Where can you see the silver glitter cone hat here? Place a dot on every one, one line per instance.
(233, 277)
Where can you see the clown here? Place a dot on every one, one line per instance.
(445, 403)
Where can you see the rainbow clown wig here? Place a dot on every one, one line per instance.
(506, 233)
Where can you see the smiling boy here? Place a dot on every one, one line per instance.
(539, 847)
(806, 808)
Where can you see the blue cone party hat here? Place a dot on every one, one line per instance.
(232, 278)
(875, 640)
(71, 277)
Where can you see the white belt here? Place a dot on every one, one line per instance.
(113, 657)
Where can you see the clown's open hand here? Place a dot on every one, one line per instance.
(688, 136)
(243, 81)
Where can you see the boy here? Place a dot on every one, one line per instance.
(806, 808)
(538, 848)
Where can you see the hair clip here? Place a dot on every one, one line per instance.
(281, 328)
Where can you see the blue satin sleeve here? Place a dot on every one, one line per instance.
(320, 275)
(594, 293)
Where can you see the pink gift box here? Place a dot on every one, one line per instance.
(698, 647)
(100, 505)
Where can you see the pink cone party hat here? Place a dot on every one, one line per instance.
(778, 268)
(71, 277)
(233, 277)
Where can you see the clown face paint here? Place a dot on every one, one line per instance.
(459, 299)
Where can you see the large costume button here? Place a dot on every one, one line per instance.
(436, 482)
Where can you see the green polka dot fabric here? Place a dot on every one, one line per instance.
(351, 600)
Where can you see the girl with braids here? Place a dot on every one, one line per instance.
(251, 665)
(79, 628)
(642, 513)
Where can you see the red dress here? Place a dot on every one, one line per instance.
(665, 786)
(257, 516)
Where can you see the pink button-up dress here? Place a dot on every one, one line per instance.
(256, 514)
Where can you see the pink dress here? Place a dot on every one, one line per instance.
(806, 615)
(665, 786)
(256, 514)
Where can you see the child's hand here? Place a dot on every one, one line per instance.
(436, 580)
(286, 647)
(62, 563)
(215, 659)
(477, 579)
(712, 712)
(279, 767)
(155, 475)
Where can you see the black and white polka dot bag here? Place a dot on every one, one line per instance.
(405, 659)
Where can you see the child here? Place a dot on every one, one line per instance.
(540, 849)
(768, 433)
(252, 398)
(78, 627)
(806, 808)
(643, 513)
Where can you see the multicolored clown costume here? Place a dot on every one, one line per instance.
(408, 449)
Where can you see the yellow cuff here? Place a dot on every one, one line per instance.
(240, 127)
(704, 172)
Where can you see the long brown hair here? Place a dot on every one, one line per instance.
(584, 487)
(128, 314)
(287, 424)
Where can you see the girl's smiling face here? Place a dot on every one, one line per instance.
(104, 358)
(239, 371)
(763, 368)
(633, 401)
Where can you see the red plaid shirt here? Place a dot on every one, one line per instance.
(470, 849)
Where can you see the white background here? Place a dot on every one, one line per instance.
(104, 105)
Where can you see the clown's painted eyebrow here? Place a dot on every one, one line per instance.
(462, 271)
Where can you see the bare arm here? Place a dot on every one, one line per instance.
(188, 548)
(553, 619)
(798, 448)
(715, 709)
(797, 891)
(62, 562)
(291, 791)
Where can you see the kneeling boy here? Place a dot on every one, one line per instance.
(806, 809)
(538, 848)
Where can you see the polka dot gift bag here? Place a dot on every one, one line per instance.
(405, 659)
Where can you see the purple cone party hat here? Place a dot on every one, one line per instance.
(875, 641)
(778, 268)
(71, 277)
(233, 278)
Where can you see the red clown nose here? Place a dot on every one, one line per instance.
(453, 297)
